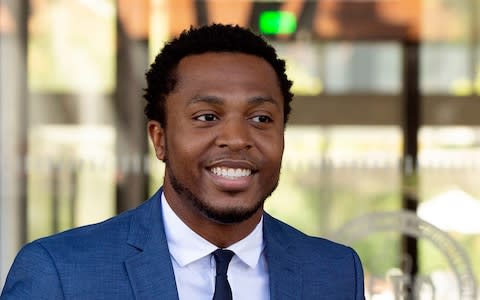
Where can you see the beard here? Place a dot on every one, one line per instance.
(230, 216)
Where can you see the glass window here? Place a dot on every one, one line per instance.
(70, 46)
(445, 68)
(449, 35)
(342, 67)
(450, 197)
(71, 177)
(363, 67)
(71, 136)
(305, 65)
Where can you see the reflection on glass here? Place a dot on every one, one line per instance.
(445, 69)
(477, 72)
(446, 20)
(71, 44)
(342, 67)
(71, 140)
(304, 65)
(363, 67)
(448, 58)
(450, 195)
(71, 177)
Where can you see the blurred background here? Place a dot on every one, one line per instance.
(382, 150)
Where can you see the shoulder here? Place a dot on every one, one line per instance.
(306, 247)
(104, 238)
(83, 238)
(32, 270)
(49, 266)
(327, 267)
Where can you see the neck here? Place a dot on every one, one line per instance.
(219, 234)
(224, 235)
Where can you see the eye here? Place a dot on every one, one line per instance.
(262, 119)
(206, 118)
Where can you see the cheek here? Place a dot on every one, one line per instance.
(272, 149)
(185, 149)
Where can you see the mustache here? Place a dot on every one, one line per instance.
(233, 158)
(237, 157)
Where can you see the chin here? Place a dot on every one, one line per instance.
(210, 210)
(231, 216)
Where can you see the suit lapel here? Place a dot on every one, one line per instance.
(285, 272)
(150, 271)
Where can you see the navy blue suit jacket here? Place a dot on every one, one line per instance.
(127, 257)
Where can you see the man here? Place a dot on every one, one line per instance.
(218, 101)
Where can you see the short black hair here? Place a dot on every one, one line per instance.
(210, 38)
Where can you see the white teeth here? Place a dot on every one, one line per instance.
(230, 172)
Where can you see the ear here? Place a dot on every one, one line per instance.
(157, 136)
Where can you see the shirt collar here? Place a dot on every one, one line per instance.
(186, 246)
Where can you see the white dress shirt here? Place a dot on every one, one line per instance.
(194, 265)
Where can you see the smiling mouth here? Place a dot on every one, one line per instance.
(231, 173)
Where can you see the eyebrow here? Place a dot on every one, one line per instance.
(260, 100)
(257, 100)
(205, 99)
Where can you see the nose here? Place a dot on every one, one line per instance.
(235, 134)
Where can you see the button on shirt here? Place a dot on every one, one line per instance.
(194, 265)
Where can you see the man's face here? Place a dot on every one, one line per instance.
(223, 141)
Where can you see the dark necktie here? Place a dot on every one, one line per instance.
(222, 287)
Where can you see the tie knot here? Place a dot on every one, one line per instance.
(222, 259)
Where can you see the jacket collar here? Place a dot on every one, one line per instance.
(285, 272)
(150, 271)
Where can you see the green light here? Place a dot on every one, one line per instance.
(277, 22)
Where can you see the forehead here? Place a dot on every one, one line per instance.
(225, 68)
(235, 81)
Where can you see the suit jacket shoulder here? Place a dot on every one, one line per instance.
(306, 267)
(109, 260)
(127, 257)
